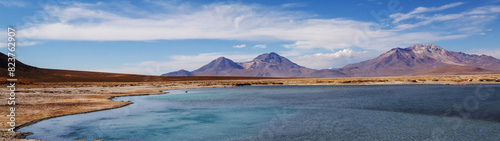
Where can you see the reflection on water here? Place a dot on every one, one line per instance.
(398, 112)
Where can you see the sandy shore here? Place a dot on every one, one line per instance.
(39, 101)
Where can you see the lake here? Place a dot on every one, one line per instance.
(381, 112)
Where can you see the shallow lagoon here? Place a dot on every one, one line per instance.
(385, 112)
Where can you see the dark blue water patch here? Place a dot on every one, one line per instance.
(106, 118)
(397, 112)
(448, 101)
(205, 118)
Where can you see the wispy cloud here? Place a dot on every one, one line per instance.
(468, 22)
(289, 5)
(27, 43)
(331, 60)
(400, 16)
(12, 3)
(259, 46)
(240, 46)
(21, 44)
(92, 22)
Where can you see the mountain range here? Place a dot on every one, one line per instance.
(29, 74)
(416, 59)
(265, 65)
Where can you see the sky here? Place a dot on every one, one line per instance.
(158, 36)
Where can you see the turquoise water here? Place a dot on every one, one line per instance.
(397, 112)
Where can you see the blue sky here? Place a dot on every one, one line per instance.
(156, 36)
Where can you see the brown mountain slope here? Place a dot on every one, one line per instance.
(19, 66)
(327, 73)
(454, 70)
(418, 57)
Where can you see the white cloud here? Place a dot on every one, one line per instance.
(12, 3)
(485, 10)
(240, 46)
(20, 44)
(259, 46)
(474, 19)
(481, 33)
(400, 16)
(289, 5)
(27, 43)
(333, 60)
(489, 29)
(92, 22)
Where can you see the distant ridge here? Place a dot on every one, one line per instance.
(178, 73)
(417, 59)
(265, 65)
(454, 70)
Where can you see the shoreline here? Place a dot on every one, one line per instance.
(110, 98)
(151, 89)
(25, 134)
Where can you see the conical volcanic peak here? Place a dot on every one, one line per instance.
(220, 64)
(178, 73)
(271, 58)
(270, 61)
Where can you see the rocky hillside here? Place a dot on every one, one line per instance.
(418, 57)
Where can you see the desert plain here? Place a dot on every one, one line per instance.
(37, 101)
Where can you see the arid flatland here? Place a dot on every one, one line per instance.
(38, 101)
